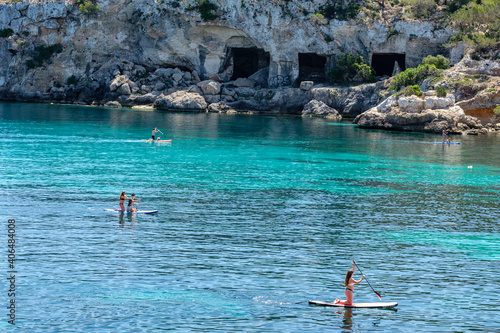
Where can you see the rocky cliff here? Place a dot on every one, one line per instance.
(234, 54)
(275, 41)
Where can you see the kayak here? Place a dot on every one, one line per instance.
(446, 143)
(356, 305)
(158, 141)
(138, 212)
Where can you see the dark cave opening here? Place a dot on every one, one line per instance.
(383, 63)
(312, 67)
(247, 61)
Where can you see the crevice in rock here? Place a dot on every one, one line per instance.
(246, 61)
(312, 67)
(384, 63)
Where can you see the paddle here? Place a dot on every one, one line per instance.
(368, 282)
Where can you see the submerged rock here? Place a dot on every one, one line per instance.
(220, 108)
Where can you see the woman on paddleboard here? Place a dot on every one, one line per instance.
(349, 283)
(131, 203)
(123, 197)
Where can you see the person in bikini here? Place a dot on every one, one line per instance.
(131, 203)
(123, 197)
(349, 286)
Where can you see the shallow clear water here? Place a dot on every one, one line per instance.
(257, 215)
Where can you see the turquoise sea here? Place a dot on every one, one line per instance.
(257, 215)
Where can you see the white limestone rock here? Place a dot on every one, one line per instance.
(209, 87)
(124, 89)
(413, 113)
(306, 85)
(220, 108)
(318, 108)
(118, 82)
(181, 100)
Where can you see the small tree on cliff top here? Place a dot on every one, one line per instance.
(478, 24)
(87, 7)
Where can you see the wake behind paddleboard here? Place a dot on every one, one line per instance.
(356, 305)
(138, 212)
(446, 143)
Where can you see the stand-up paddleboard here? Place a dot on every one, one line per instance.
(138, 212)
(357, 305)
(157, 141)
(446, 143)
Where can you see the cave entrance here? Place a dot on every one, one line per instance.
(312, 67)
(384, 63)
(247, 61)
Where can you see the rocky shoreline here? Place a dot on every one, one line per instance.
(165, 56)
(121, 83)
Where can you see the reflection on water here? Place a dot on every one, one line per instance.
(346, 320)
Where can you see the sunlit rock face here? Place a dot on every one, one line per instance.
(279, 41)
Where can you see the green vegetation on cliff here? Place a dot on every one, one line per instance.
(441, 91)
(43, 54)
(349, 67)
(411, 90)
(87, 7)
(430, 67)
(205, 8)
(6, 32)
(339, 9)
(478, 24)
(496, 111)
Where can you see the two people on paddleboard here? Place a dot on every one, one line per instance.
(153, 133)
(349, 283)
(445, 139)
(131, 202)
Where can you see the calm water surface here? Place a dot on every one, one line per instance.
(257, 215)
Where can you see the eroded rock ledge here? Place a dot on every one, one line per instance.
(428, 113)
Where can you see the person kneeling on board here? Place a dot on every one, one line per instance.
(131, 203)
(349, 286)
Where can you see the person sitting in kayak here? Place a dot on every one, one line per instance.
(131, 203)
(349, 283)
(155, 130)
(123, 197)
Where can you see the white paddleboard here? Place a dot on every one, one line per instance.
(138, 212)
(356, 305)
(157, 141)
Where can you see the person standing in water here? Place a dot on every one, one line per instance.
(349, 283)
(131, 203)
(444, 134)
(123, 197)
(155, 130)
